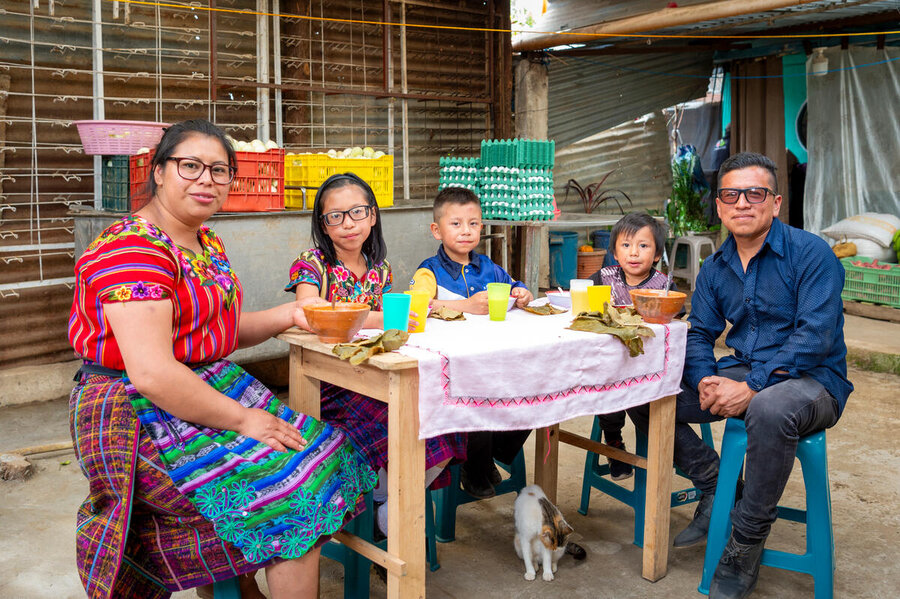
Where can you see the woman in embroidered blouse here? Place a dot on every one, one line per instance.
(348, 264)
(197, 472)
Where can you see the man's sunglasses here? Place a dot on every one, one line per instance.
(754, 195)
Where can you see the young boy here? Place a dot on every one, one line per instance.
(457, 278)
(636, 242)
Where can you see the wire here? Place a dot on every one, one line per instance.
(499, 30)
(688, 76)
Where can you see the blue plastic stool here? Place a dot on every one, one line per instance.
(227, 589)
(635, 498)
(453, 496)
(818, 560)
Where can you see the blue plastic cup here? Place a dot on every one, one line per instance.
(396, 310)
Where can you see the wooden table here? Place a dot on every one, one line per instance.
(394, 379)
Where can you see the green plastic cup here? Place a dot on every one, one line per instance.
(498, 300)
(396, 310)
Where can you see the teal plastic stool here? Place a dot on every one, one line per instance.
(227, 589)
(818, 560)
(452, 496)
(595, 473)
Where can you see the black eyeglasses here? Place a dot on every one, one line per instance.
(192, 169)
(333, 219)
(754, 195)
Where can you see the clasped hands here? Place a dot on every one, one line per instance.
(723, 396)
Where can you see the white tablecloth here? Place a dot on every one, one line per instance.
(530, 371)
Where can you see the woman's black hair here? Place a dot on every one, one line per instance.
(374, 247)
(176, 134)
(631, 223)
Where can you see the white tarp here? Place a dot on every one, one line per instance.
(854, 136)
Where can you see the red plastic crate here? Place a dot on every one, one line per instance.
(257, 187)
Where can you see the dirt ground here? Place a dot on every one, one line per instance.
(37, 521)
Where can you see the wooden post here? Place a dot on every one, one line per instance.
(406, 486)
(546, 460)
(532, 268)
(660, 448)
(304, 394)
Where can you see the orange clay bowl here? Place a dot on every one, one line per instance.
(655, 306)
(338, 325)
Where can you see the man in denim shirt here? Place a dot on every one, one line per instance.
(780, 288)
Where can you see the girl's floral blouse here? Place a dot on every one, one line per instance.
(310, 267)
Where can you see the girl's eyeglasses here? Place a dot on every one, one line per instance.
(333, 219)
(754, 195)
(192, 169)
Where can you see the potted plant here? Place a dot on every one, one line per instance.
(686, 209)
(594, 194)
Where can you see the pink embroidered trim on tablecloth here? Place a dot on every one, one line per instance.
(545, 397)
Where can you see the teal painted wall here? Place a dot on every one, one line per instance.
(726, 103)
(794, 69)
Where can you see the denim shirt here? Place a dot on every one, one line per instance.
(785, 310)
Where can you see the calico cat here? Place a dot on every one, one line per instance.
(541, 532)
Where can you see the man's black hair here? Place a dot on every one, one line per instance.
(374, 248)
(746, 160)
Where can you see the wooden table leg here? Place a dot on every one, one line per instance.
(304, 392)
(661, 439)
(546, 460)
(406, 486)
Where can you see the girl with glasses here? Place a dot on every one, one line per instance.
(197, 472)
(348, 264)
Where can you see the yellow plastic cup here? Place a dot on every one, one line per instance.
(418, 303)
(578, 291)
(498, 300)
(597, 296)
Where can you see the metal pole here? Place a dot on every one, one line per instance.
(262, 70)
(404, 103)
(276, 44)
(99, 108)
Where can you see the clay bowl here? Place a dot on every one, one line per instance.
(338, 325)
(655, 306)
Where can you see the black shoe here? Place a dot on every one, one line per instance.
(619, 470)
(475, 488)
(699, 526)
(738, 570)
(494, 476)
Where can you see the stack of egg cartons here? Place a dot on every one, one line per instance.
(456, 171)
(517, 179)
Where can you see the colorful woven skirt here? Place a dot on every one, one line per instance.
(174, 505)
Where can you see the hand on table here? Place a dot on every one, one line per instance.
(274, 432)
(477, 304)
(298, 316)
(724, 397)
(522, 295)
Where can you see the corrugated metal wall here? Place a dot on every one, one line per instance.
(638, 152)
(156, 67)
(588, 95)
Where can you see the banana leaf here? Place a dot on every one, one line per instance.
(623, 323)
(358, 352)
(544, 310)
(445, 313)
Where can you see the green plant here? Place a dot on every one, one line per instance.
(594, 194)
(685, 210)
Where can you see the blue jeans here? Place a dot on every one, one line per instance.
(775, 419)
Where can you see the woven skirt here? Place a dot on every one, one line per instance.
(365, 420)
(174, 505)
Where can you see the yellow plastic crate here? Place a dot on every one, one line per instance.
(311, 170)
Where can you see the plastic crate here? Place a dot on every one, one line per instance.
(114, 178)
(311, 170)
(258, 185)
(873, 285)
(118, 137)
